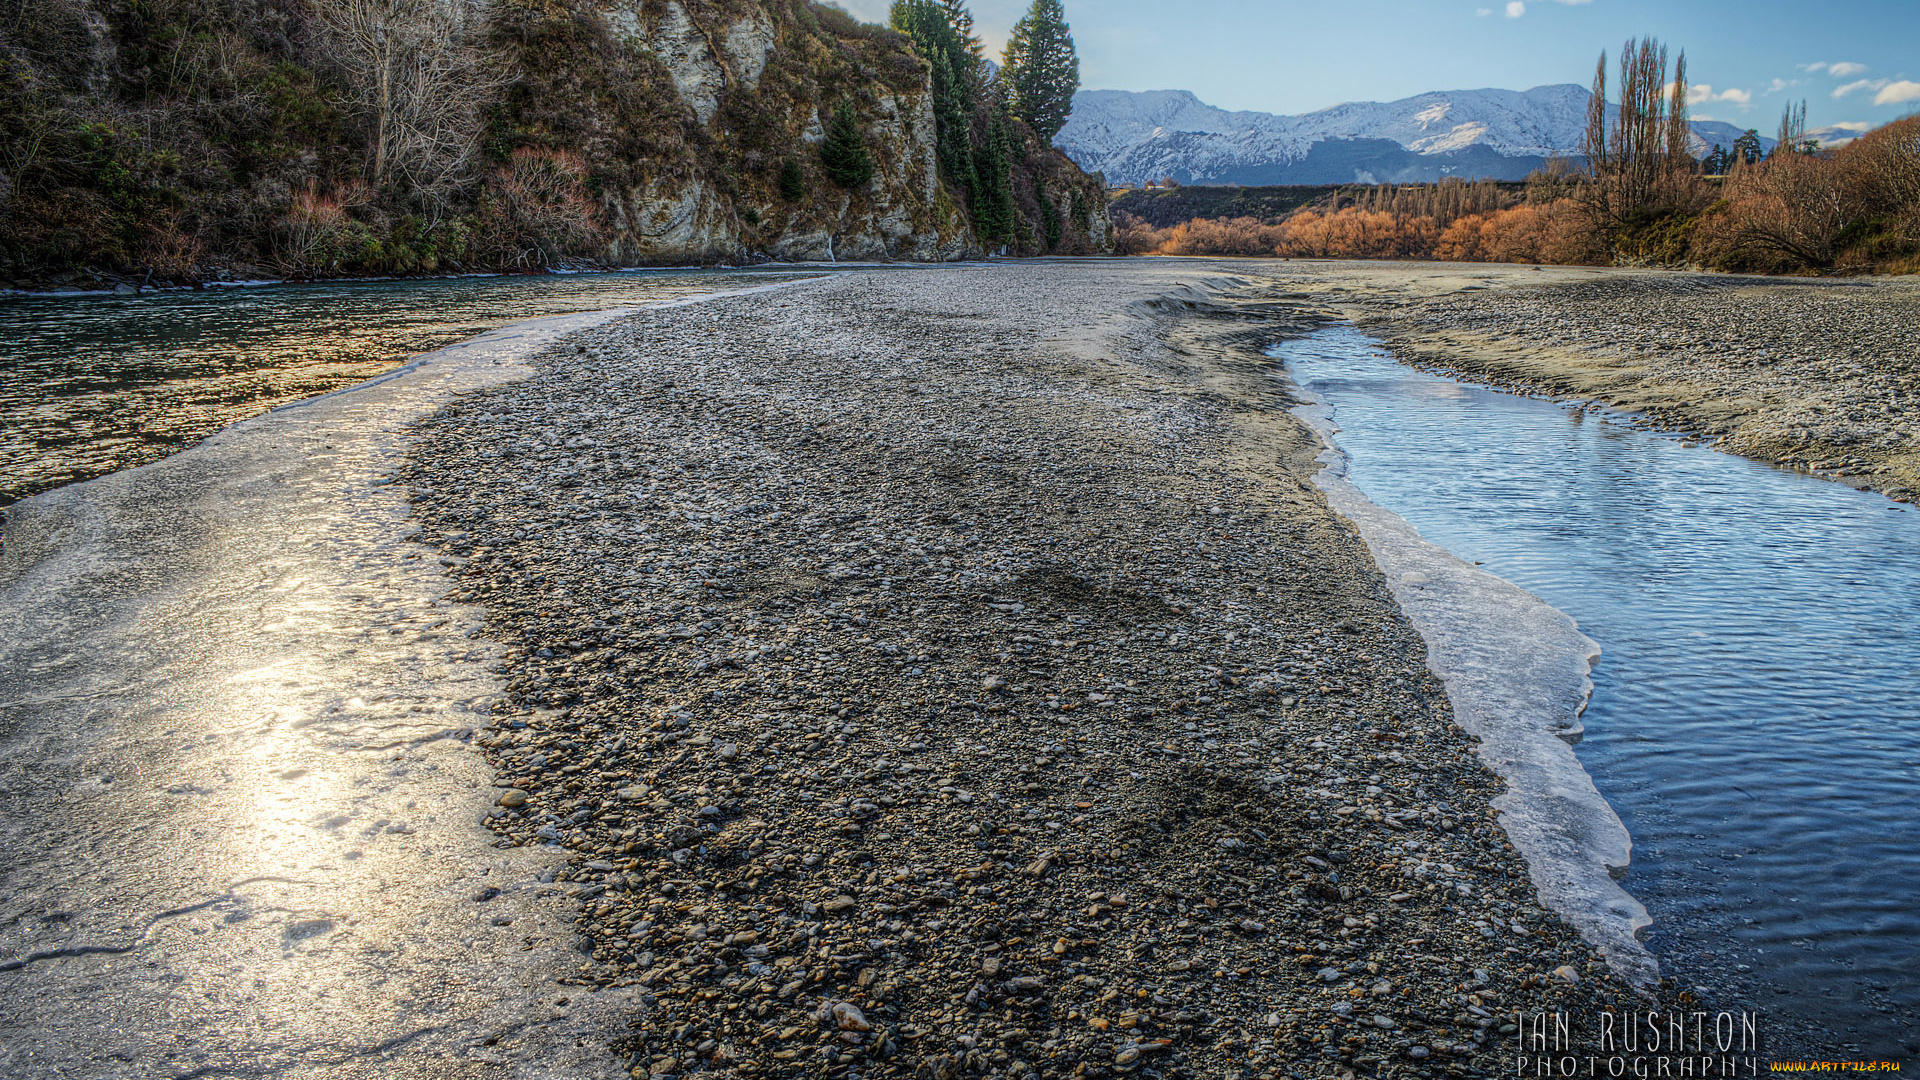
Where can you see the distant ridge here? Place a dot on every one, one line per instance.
(1138, 137)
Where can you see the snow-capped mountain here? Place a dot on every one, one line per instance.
(1838, 135)
(1504, 134)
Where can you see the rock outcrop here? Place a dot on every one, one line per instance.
(753, 85)
(626, 132)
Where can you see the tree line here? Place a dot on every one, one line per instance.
(1639, 195)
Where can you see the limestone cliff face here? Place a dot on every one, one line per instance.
(737, 90)
(742, 128)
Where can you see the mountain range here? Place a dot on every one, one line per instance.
(1140, 137)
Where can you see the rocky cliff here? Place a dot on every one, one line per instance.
(182, 139)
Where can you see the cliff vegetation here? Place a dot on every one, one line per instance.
(179, 140)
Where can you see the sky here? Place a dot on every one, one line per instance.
(1855, 62)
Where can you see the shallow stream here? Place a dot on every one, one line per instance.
(1755, 719)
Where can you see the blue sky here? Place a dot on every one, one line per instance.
(1854, 61)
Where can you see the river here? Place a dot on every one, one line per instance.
(238, 810)
(1755, 718)
(93, 384)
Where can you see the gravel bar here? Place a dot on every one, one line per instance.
(954, 673)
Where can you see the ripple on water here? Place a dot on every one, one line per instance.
(92, 384)
(1756, 713)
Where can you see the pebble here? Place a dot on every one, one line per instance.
(744, 639)
(1819, 375)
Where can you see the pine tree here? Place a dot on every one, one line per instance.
(793, 183)
(844, 152)
(961, 20)
(994, 215)
(1041, 70)
(948, 51)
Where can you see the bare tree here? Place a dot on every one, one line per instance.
(420, 74)
(1595, 144)
(1792, 138)
(1679, 131)
(1641, 165)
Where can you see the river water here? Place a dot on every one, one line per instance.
(1755, 718)
(240, 822)
(93, 384)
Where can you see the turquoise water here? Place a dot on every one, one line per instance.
(93, 384)
(1755, 720)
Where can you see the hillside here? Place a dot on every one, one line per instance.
(1138, 138)
(177, 140)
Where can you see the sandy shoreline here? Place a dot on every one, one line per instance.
(958, 672)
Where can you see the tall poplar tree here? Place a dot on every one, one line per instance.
(1041, 69)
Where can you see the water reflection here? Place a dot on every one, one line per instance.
(238, 817)
(1756, 717)
(93, 384)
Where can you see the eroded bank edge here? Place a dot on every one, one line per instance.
(1517, 672)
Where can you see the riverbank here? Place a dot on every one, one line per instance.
(94, 385)
(958, 671)
(1815, 374)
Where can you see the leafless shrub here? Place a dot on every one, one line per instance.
(538, 210)
(420, 75)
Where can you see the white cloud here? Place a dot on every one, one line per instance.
(1820, 65)
(1895, 93)
(1703, 93)
(1858, 85)
(1844, 69)
(1516, 8)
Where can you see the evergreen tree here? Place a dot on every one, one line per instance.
(1041, 70)
(1746, 148)
(844, 153)
(961, 20)
(948, 50)
(994, 215)
(793, 183)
